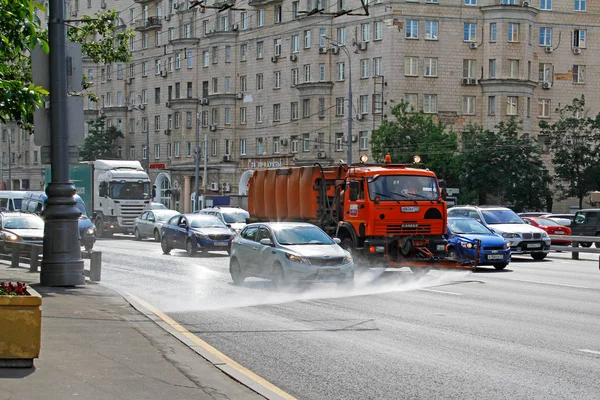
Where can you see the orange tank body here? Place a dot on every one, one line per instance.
(293, 192)
(281, 195)
(269, 194)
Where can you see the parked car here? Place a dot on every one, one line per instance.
(286, 252)
(531, 214)
(232, 216)
(158, 206)
(150, 223)
(195, 232)
(524, 239)
(587, 223)
(552, 228)
(563, 219)
(18, 227)
(463, 237)
(10, 200)
(35, 202)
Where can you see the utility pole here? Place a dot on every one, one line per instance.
(197, 169)
(205, 175)
(61, 263)
(9, 186)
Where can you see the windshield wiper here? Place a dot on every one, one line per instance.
(388, 196)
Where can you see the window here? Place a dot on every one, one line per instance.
(470, 2)
(259, 82)
(430, 103)
(492, 69)
(260, 50)
(144, 68)
(243, 52)
(307, 39)
(365, 32)
(243, 147)
(215, 85)
(339, 141)
(157, 66)
(157, 123)
(339, 106)
(294, 141)
(469, 68)
(341, 35)
(157, 36)
(144, 124)
(214, 147)
(364, 68)
(276, 112)
(244, 20)
(260, 146)
(322, 41)
(321, 107)
(306, 108)
(119, 71)
(493, 32)
(321, 141)
(306, 142)
(259, 114)
(277, 80)
(294, 76)
(579, 38)
(379, 30)
(513, 32)
(144, 41)
(411, 65)
(512, 103)
(513, 69)
(364, 105)
(294, 110)
(295, 9)
(243, 117)
(412, 99)
(341, 71)
(215, 55)
(215, 116)
(156, 151)
(227, 84)
(260, 17)
(545, 72)
(307, 73)
(177, 90)
(431, 30)
(295, 44)
(277, 45)
(189, 90)
(171, 64)
(227, 146)
(544, 108)
(431, 67)
(412, 29)
(188, 149)
(377, 69)
(177, 60)
(528, 109)
(363, 140)
(492, 105)
(204, 118)
(227, 53)
(188, 119)
(170, 121)
(580, 5)
(321, 72)
(177, 119)
(277, 12)
(545, 36)
(545, 4)
(578, 73)
(224, 23)
(205, 59)
(243, 83)
(470, 32)
(276, 145)
(468, 105)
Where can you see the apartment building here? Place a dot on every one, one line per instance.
(261, 81)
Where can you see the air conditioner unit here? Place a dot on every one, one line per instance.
(549, 49)
(176, 6)
(142, 106)
(335, 50)
(359, 117)
(354, 138)
(226, 187)
(472, 45)
(362, 46)
(168, 17)
(472, 81)
(284, 142)
(74, 13)
(240, 96)
(323, 50)
(211, 31)
(525, 4)
(214, 186)
(204, 101)
(128, 81)
(546, 85)
(235, 28)
(130, 107)
(576, 50)
(227, 158)
(163, 73)
(213, 128)
(274, 59)
(465, 81)
(103, 4)
(168, 104)
(321, 154)
(294, 57)
(168, 132)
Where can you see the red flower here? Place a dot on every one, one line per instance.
(13, 289)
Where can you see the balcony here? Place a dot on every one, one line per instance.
(148, 24)
(144, 1)
(260, 3)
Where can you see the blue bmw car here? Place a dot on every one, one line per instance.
(463, 235)
(196, 232)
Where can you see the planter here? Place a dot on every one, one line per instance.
(20, 329)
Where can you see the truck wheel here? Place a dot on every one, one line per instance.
(237, 276)
(538, 256)
(165, 248)
(156, 235)
(190, 248)
(136, 232)
(360, 262)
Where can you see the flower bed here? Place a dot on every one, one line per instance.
(13, 289)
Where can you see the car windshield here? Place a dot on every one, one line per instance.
(81, 207)
(403, 187)
(23, 222)
(236, 216)
(130, 190)
(546, 222)
(206, 222)
(299, 235)
(164, 215)
(467, 226)
(501, 217)
(18, 203)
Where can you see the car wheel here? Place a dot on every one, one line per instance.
(136, 232)
(500, 266)
(597, 243)
(99, 222)
(165, 248)
(538, 256)
(156, 235)
(88, 248)
(229, 251)
(237, 275)
(190, 248)
(585, 244)
(420, 271)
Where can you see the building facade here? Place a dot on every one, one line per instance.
(265, 82)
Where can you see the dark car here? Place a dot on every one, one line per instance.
(463, 236)
(196, 232)
(587, 223)
(17, 227)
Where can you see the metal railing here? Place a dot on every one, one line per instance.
(575, 246)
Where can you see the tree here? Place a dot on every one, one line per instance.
(102, 37)
(574, 142)
(505, 164)
(101, 142)
(416, 133)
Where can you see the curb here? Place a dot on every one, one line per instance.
(230, 367)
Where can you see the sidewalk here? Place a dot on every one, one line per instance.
(96, 346)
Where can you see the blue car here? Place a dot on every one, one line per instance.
(196, 232)
(463, 236)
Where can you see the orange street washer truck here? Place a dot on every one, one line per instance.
(386, 215)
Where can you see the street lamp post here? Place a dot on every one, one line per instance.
(141, 108)
(343, 47)
(197, 166)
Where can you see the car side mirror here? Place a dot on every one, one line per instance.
(151, 220)
(228, 225)
(353, 190)
(337, 240)
(266, 242)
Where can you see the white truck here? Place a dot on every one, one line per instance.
(121, 192)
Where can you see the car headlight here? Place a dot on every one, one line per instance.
(91, 230)
(467, 245)
(295, 258)
(201, 236)
(545, 235)
(507, 245)
(509, 235)
(348, 259)
(12, 236)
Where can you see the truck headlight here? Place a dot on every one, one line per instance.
(295, 258)
(509, 235)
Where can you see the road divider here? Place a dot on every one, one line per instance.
(580, 244)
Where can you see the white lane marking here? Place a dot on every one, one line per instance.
(551, 284)
(441, 291)
(590, 351)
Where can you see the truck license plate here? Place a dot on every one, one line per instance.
(534, 245)
(495, 257)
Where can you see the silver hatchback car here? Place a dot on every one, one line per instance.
(288, 252)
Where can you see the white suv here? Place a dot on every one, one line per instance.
(523, 238)
(234, 217)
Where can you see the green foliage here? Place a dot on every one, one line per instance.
(416, 133)
(574, 141)
(504, 164)
(101, 143)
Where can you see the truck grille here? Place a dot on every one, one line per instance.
(529, 236)
(219, 237)
(129, 212)
(403, 229)
(324, 262)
